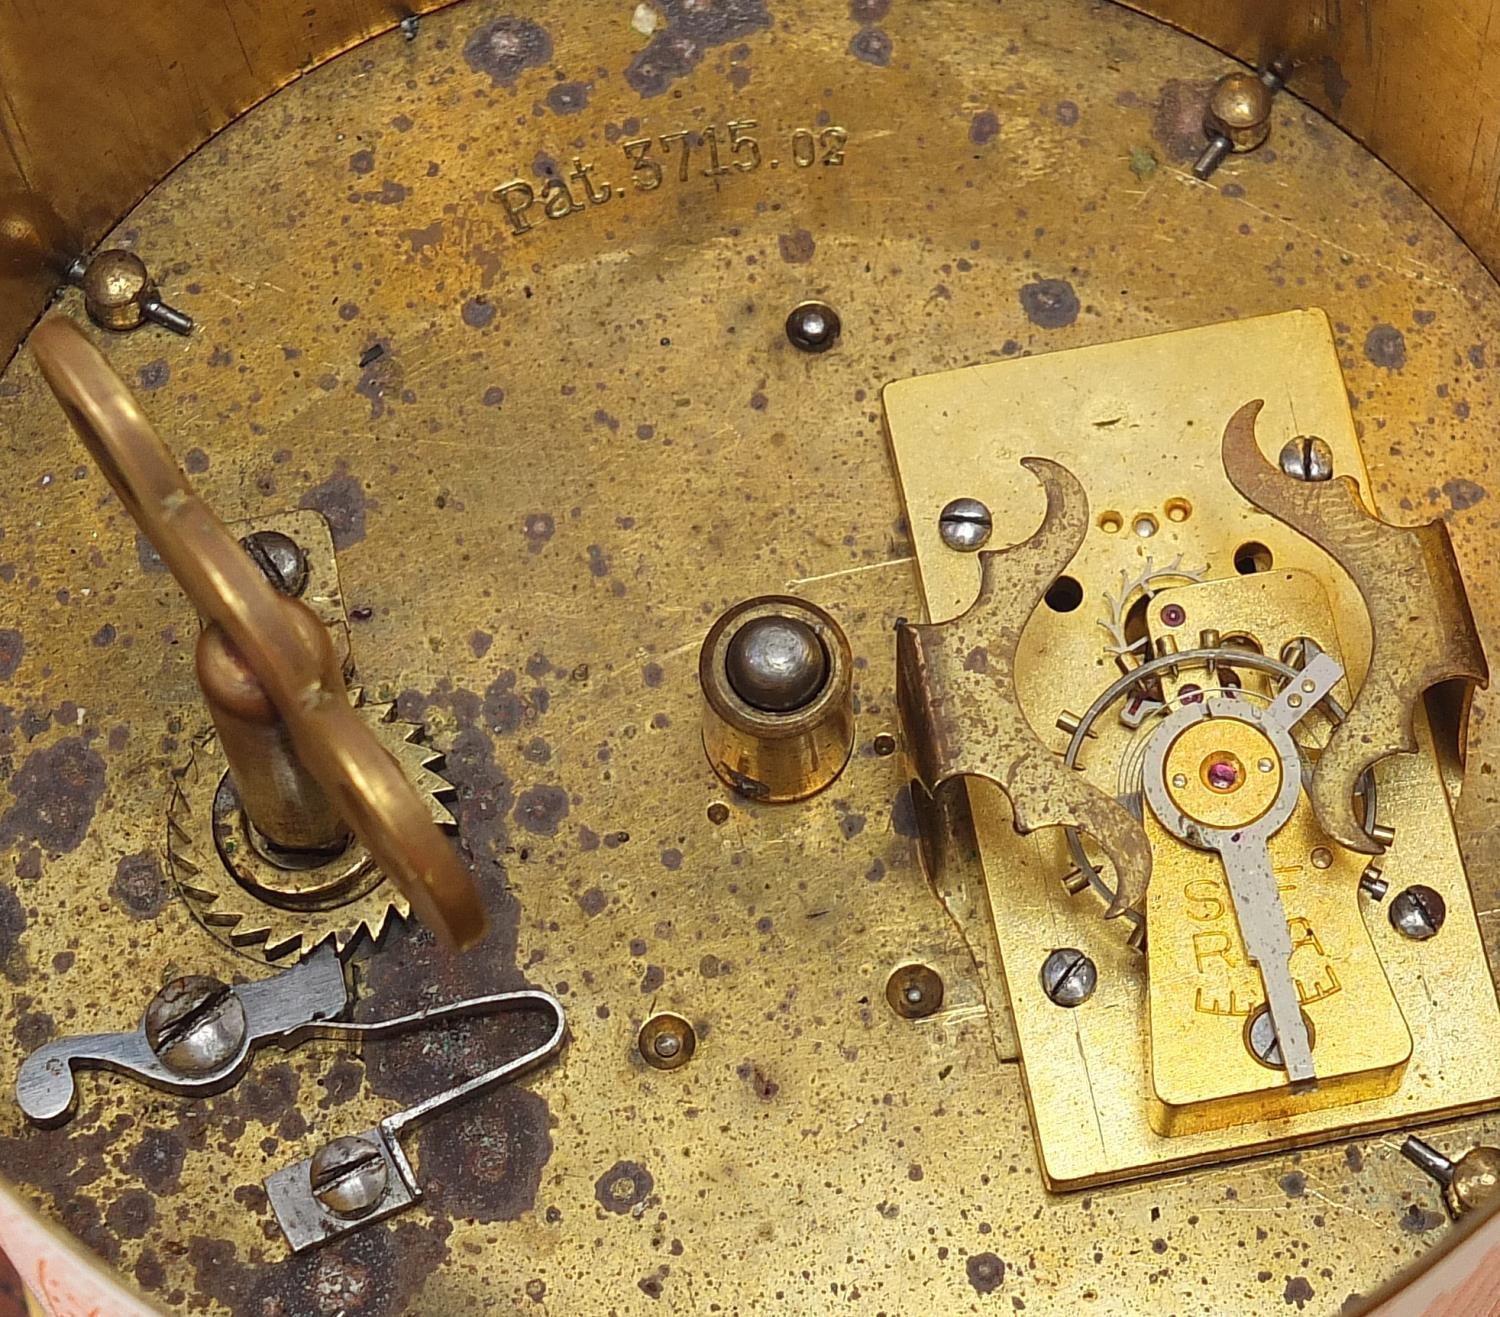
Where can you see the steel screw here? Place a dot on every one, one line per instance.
(1307, 457)
(118, 293)
(195, 1025)
(915, 991)
(348, 1176)
(1467, 1183)
(1238, 117)
(280, 559)
(813, 327)
(667, 1041)
(965, 524)
(1261, 1038)
(1418, 912)
(1069, 977)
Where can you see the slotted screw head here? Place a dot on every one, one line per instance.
(348, 1176)
(1307, 457)
(1418, 912)
(965, 524)
(195, 1025)
(1069, 977)
(280, 559)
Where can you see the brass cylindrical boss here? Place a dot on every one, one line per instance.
(778, 706)
(282, 801)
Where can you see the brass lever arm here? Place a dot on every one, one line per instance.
(291, 660)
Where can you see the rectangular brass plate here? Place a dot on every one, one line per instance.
(1139, 423)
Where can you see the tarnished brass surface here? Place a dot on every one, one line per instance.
(1090, 1070)
(281, 641)
(1409, 78)
(815, 1139)
(1419, 613)
(960, 701)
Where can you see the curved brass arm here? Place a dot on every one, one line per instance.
(292, 660)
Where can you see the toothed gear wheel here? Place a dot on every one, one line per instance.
(266, 910)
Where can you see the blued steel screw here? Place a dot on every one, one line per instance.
(1307, 457)
(280, 559)
(965, 524)
(1069, 977)
(1418, 912)
(348, 1176)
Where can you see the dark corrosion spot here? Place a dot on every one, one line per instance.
(541, 809)
(506, 47)
(986, 1272)
(1293, 1184)
(1067, 113)
(568, 97)
(381, 376)
(12, 647)
(56, 792)
(1178, 122)
(139, 885)
(362, 162)
(480, 642)
(869, 11)
(157, 1160)
(478, 312)
(1335, 84)
(132, 1214)
(1298, 1290)
(984, 127)
(504, 710)
(372, 1273)
(652, 979)
(871, 45)
(12, 923)
(1050, 303)
(1385, 346)
(1463, 494)
(195, 460)
(1418, 1220)
(624, 1186)
(671, 858)
(904, 813)
(764, 1087)
(592, 902)
(693, 28)
(343, 1081)
(341, 499)
(493, 396)
(154, 375)
(797, 247)
(539, 528)
(485, 1161)
(105, 636)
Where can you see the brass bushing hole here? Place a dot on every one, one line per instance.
(667, 1041)
(778, 712)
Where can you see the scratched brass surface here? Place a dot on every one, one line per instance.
(542, 496)
(1150, 458)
